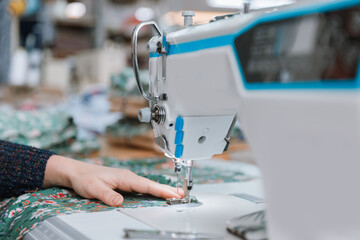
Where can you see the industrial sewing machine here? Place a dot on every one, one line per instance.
(291, 75)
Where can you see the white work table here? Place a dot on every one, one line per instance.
(218, 206)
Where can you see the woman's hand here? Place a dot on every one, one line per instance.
(93, 181)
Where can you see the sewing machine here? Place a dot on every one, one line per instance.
(291, 76)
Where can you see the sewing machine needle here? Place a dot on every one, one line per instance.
(177, 171)
(177, 183)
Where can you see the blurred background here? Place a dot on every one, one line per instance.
(67, 83)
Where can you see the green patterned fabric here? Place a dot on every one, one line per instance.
(127, 128)
(19, 215)
(124, 84)
(41, 128)
(48, 129)
(73, 147)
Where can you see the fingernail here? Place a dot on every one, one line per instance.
(117, 200)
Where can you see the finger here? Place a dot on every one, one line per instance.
(130, 181)
(146, 186)
(107, 195)
(179, 190)
(164, 191)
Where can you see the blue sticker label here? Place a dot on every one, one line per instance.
(179, 150)
(179, 124)
(179, 137)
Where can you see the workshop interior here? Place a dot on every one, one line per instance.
(251, 108)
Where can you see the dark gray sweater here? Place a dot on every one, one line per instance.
(22, 168)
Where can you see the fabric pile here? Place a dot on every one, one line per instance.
(124, 83)
(125, 98)
(51, 129)
(127, 128)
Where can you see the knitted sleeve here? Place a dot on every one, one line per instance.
(22, 168)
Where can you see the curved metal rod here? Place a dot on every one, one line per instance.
(134, 41)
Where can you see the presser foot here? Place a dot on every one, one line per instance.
(177, 201)
(188, 184)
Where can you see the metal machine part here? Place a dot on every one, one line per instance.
(191, 202)
(144, 115)
(177, 166)
(146, 234)
(186, 198)
(188, 18)
(188, 176)
(247, 6)
(135, 60)
(188, 183)
(175, 201)
(249, 227)
(216, 18)
(249, 197)
(54, 228)
(158, 114)
(152, 47)
(227, 138)
(161, 142)
(177, 170)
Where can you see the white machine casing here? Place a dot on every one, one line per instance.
(203, 113)
(305, 141)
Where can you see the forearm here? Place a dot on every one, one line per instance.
(61, 170)
(22, 168)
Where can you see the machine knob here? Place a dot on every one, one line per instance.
(144, 115)
(188, 18)
(152, 47)
(247, 6)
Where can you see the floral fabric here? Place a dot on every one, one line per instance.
(18, 215)
(46, 129)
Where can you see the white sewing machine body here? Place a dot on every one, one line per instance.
(292, 76)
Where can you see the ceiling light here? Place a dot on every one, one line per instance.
(144, 14)
(75, 10)
(255, 4)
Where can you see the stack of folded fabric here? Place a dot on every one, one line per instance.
(130, 132)
(48, 129)
(127, 128)
(124, 84)
(124, 94)
(125, 98)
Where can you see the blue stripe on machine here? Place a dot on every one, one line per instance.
(201, 44)
(151, 55)
(229, 40)
(358, 72)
